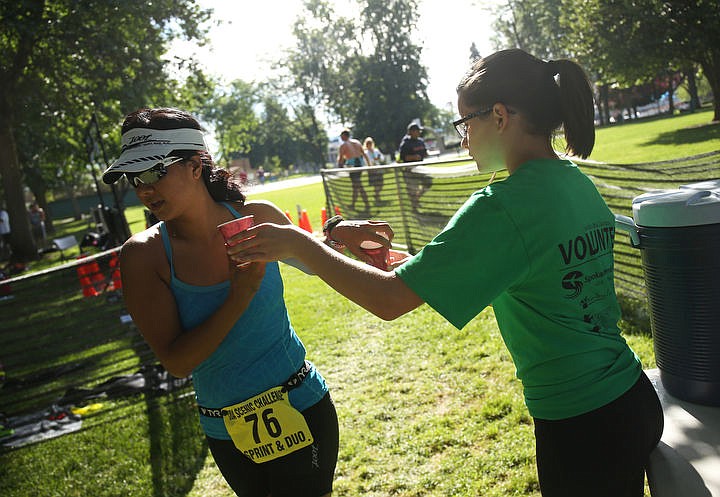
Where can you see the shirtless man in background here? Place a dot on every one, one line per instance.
(352, 154)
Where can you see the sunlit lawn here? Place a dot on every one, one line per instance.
(658, 139)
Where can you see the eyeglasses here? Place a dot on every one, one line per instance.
(154, 174)
(461, 124)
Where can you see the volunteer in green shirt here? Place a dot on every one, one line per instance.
(538, 246)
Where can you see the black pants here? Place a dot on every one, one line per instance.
(307, 472)
(603, 452)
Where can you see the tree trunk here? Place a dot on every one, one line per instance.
(21, 239)
(711, 68)
(605, 100)
(692, 87)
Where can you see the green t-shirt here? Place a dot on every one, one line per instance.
(538, 246)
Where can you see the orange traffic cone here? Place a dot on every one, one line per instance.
(337, 211)
(115, 276)
(287, 213)
(97, 278)
(116, 281)
(88, 288)
(323, 216)
(90, 276)
(305, 221)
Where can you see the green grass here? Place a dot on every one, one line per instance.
(657, 139)
(309, 197)
(424, 409)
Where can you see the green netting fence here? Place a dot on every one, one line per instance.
(66, 340)
(417, 199)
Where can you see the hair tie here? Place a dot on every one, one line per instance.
(552, 68)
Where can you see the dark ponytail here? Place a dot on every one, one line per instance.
(578, 109)
(218, 182)
(529, 85)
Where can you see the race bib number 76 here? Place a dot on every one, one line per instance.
(266, 426)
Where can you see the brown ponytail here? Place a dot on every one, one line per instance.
(578, 110)
(528, 84)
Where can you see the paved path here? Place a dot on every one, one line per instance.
(282, 184)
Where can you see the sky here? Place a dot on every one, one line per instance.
(252, 33)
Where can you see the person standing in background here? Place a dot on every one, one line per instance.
(412, 147)
(351, 154)
(37, 224)
(374, 157)
(4, 233)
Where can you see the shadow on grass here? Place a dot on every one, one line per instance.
(59, 347)
(177, 447)
(686, 136)
(126, 448)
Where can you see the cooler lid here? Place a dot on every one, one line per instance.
(675, 208)
(712, 185)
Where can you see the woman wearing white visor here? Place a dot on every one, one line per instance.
(266, 411)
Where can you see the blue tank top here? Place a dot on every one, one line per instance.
(261, 350)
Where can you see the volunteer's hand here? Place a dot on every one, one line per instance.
(267, 242)
(353, 233)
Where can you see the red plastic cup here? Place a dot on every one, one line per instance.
(234, 227)
(377, 253)
(395, 257)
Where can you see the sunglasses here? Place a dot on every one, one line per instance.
(154, 174)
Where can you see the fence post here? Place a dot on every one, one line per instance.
(403, 214)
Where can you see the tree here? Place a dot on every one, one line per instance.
(474, 53)
(277, 141)
(327, 46)
(231, 111)
(60, 61)
(318, 74)
(391, 83)
(531, 25)
(311, 134)
(364, 73)
(638, 40)
(696, 32)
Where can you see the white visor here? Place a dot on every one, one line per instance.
(143, 148)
